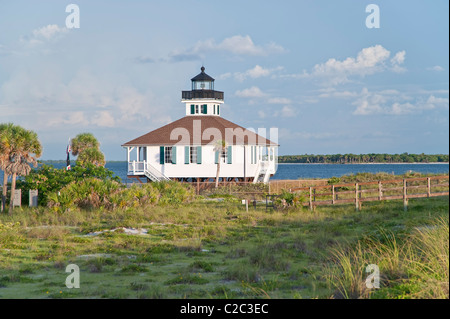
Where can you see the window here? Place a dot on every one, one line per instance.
(214, 111)
(196, 109)
(223, 155)
(204, 108)
(193, 152)
(168, 155)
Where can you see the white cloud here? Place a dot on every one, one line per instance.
(436, 68)
(103, 119)
(237, 45)
(262, 114)
(47, 102)
(399, 57)
(397, 60)
(253, 92)
(368, 61)
(288, 111)
(256, 72)
(70, 118)
(369, 103)
(279, 100)
(385, 102)
(333, 93)
(241, 45)
(45, 34)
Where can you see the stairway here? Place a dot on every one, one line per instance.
(154, 175)
(262, 174)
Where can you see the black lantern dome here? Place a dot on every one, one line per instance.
(202, 88)
(202, 81)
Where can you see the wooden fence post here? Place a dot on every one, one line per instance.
(405, 198)
(333, 194)
(310, 198)
(380, 192)
(428, 187)
(356, 197)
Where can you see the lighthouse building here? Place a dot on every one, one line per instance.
(191, 148)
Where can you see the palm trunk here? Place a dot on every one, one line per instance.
(217, 174)
(13, 188)
(4, 192)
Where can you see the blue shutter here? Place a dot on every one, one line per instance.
(192, 109)
(229, 155)
(174, 155)
(186, 155)
(218, 110)
(161, 155)
(199, 154)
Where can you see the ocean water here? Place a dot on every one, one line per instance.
(303, 171)
(296, 171)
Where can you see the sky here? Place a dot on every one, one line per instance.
(323, 73)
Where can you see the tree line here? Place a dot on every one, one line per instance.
(364, 158)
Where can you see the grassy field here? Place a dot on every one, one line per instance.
(215, 249)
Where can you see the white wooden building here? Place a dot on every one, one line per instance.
(185, 150)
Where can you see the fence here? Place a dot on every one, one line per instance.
(250, 188)
(276, 186)
(244, 190)
(358, 193)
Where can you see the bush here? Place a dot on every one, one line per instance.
(334, 180)
(174, 193)
(287, 199)
(47, 179)
(87, 194)
(93, 193)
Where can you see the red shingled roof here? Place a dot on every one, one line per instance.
(200, 130)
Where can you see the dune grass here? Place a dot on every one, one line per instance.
(210, 249)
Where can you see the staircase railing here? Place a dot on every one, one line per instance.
(153, 174)
(258, 169)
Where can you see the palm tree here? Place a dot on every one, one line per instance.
(221, 147)
(25, 149)
(87, 147)
(91, 155)
(6, 138)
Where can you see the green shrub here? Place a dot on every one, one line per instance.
(93, 193)
(334, 180)
(90, 193)
(47, 179)
(287, 199)
(174, 193)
